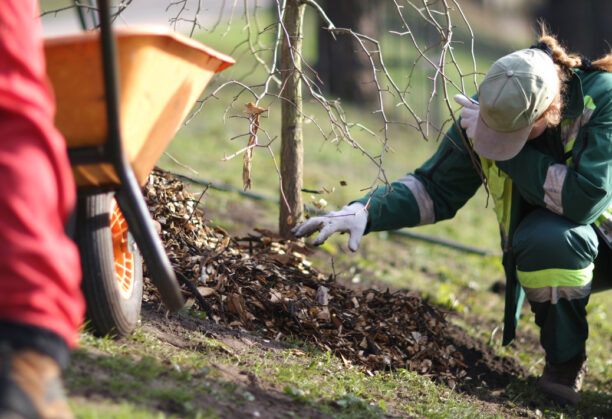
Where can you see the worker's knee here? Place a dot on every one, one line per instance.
(544, 240)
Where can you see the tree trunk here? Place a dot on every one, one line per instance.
(343, 67)
(583, 27)
(292, 147)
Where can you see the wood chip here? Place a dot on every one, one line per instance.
(264, 284)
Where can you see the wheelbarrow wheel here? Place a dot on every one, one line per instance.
(112, 266)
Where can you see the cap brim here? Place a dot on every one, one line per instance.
(497, 145)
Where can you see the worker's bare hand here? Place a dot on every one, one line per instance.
(350, 219)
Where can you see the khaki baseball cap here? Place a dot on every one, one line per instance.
(516, 91)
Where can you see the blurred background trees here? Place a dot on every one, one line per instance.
(372, 74)
(344, 69)
(584, 27)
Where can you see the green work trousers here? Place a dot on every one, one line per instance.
(559, 263)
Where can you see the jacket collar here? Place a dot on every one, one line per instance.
(574, 100)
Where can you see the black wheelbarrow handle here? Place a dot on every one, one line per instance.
(129, 195)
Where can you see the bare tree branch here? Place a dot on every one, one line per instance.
(435, 65)
(119, 9)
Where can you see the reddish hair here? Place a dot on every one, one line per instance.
(564, 62)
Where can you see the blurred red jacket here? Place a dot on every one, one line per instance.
(39, 264)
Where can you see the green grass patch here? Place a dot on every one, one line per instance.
(142, 386)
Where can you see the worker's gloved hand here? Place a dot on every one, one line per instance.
(350, 219)
(469, 114)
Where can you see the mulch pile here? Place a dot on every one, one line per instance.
(265, 284)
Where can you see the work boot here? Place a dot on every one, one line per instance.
(562, 382)
(31, 386)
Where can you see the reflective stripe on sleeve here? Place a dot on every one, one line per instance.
(424, 201)
(571, 127)
(569, 132)
(553, 185)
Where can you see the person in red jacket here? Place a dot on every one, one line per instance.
(41, 305)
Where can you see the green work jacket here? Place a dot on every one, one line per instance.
(568, 170)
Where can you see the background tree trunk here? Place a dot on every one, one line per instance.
(292, 147)
(583, 27)
(343, 67)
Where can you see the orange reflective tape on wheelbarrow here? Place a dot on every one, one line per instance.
(124, 257)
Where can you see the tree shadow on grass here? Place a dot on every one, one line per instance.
(167, 380)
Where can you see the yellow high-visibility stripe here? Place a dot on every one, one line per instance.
(606, 215)
(556, 277)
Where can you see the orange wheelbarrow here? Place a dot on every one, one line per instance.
(121, 96)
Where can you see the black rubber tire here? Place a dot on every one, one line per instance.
(108, 311)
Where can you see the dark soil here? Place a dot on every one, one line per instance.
(486, 368)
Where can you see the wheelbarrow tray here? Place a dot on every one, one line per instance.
(161, 74)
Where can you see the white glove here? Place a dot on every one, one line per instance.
(350, 219)
(469, 114)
